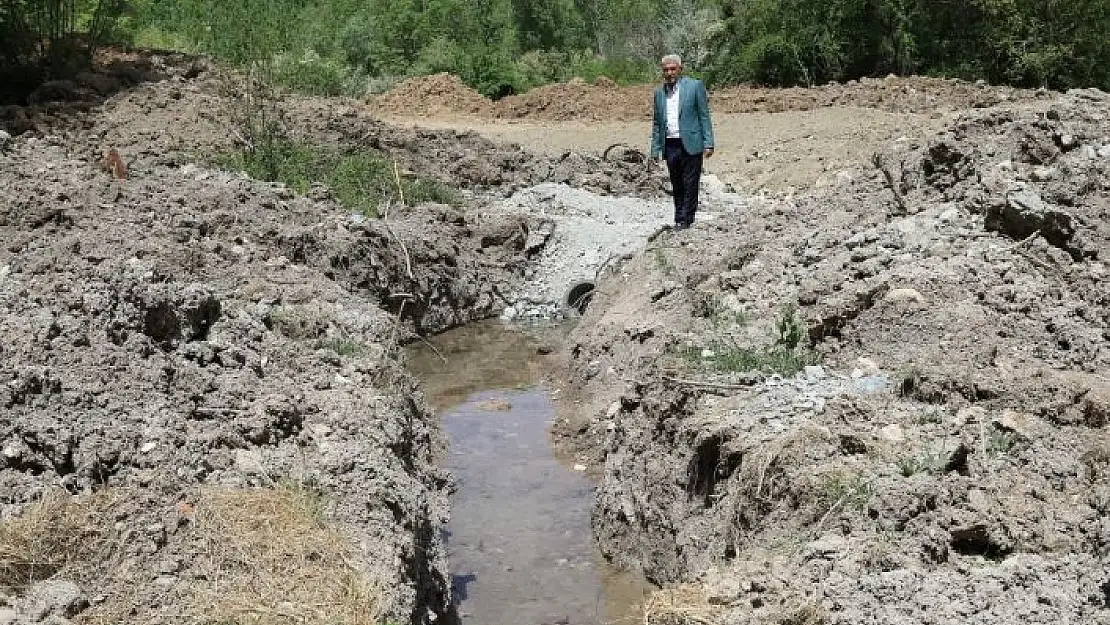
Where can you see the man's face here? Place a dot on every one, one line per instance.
(671, 70)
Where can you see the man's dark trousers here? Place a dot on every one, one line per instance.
(685, 170)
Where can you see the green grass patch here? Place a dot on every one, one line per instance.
(344, 346)
(721, 358)
(360, 180)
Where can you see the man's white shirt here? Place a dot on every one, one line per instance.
(672, 114)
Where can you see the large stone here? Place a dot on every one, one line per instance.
(1025, 213)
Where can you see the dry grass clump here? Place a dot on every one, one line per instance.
(268, 558)
(681, 605)
(690, 605)
(249, 557)
(50, 537)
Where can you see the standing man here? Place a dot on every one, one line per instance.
(682, 133)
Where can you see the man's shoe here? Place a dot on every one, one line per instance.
(681, 226)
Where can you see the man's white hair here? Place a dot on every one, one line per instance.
(671, 58)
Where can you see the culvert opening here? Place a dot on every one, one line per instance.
(579, 296)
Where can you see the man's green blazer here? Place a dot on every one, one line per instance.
(694, 124)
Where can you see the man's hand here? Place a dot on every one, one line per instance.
(708, 152)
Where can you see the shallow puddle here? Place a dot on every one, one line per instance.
(519, 539)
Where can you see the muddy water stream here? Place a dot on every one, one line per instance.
(519, 538)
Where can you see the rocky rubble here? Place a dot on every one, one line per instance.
(946, 463)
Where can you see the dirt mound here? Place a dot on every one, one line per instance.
(578, 100)
(604, 100)
(911, 94)
(952, 440)
(437, 94)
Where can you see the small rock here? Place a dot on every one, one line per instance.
(614, 410)
(977, 500)
(826, 547)
(1067, 142)
(148, 447)
(544, 350)
(249, 461)
(865, 367)
(904, 295)
(814, 373)
(1088, 152)
(8, 616)
(580, 467)
(12, 451)
(1044, 174)
(509, 313)
(893, 433)
(1104, 151)
(1015, 422)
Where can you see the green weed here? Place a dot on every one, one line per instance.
(663, 262)
(360, 180)
(852, 489)
(789, 330)
(929, 462)
(1000, 442)
(730, 359)
(344, 346)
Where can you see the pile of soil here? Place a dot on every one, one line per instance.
(948, 457)
(909, 94)
(579, 101)
(604, 100)
(437, 94)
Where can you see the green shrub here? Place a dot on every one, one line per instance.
(313, 75)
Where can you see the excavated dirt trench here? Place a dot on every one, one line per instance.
(187, 333)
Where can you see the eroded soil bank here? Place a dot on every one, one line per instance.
(943, 458)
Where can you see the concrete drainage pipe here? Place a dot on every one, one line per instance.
(578, 296)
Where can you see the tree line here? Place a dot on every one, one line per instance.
(507, 46)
